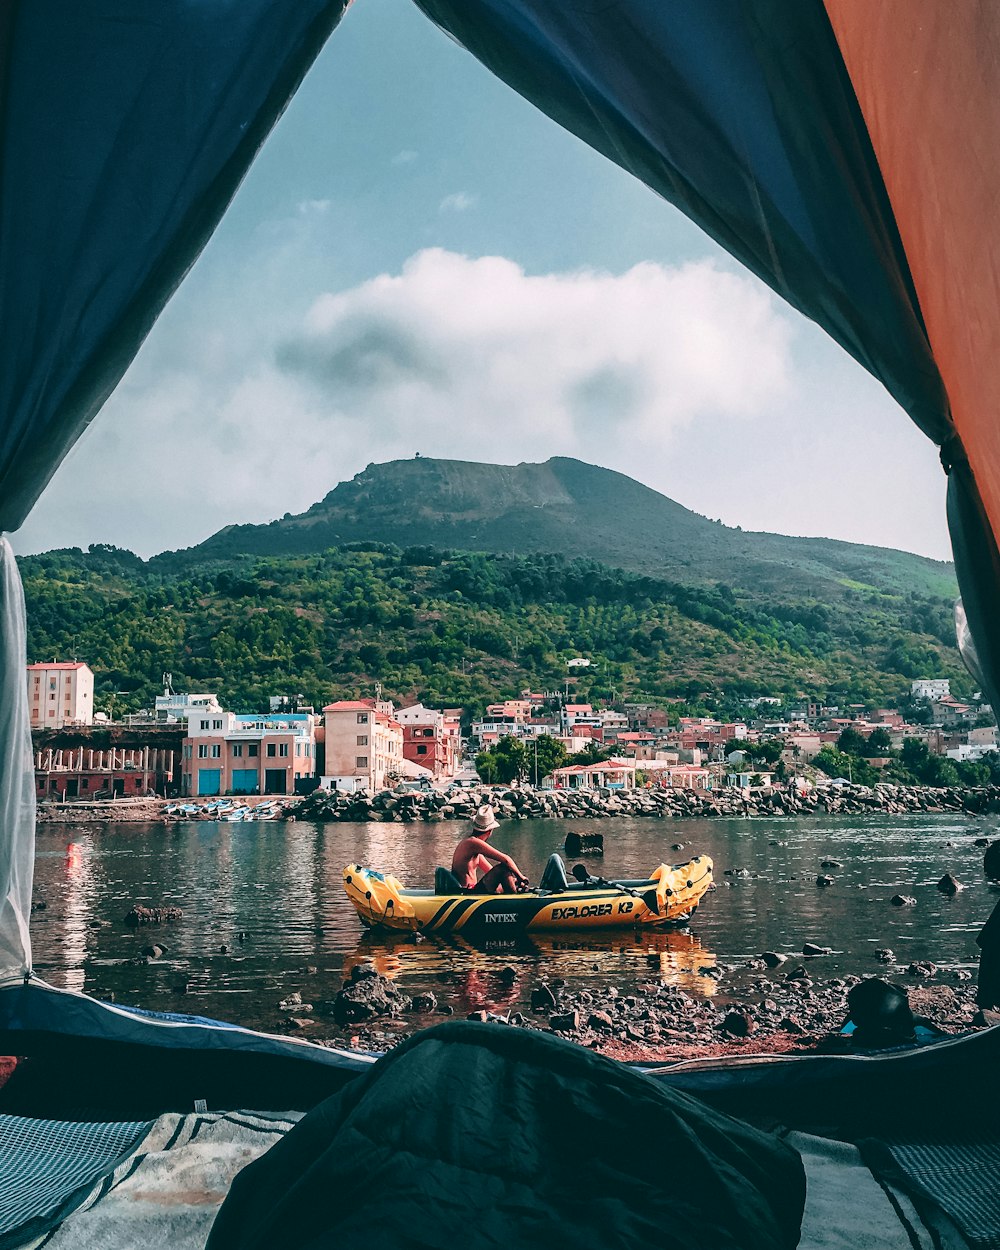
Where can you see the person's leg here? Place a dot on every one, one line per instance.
(494, 881)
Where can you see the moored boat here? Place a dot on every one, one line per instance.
(669, 895)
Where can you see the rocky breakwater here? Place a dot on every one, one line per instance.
(528, 803)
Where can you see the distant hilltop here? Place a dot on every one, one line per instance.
(579, 510)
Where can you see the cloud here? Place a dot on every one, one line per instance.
(305, 207)
(460, 202)
(476, 357)
(406, 157)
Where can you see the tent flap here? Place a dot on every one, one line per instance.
(17, 777)
(108, 196)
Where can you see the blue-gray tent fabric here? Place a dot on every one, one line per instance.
(125, 128)
(47, 1168)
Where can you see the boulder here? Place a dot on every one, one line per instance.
(903, 900)
(921, 968)
(542, 998)
(948, 884)
(772, 959)
(811, 949)
(738, 1024)
(566, 1022)
(368, 994)
(152, 915)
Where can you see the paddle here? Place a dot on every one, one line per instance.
(584, 877)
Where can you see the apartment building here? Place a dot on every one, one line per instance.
(364, 745)
(226, 753)
(431, 739)
(60, 694)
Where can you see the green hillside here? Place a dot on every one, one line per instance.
(460, 628)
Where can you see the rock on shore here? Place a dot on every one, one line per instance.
(526, 803)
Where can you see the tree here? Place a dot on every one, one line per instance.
(511, 759)
(548, 754)
(879, 743)
(486, 767)
(851, 742)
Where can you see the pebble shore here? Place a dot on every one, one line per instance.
(782, 1011)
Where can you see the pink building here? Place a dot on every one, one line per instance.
(60, 694)
(229, 754)
(431, 739)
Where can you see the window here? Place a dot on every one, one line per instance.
(237, 749)
(283, 749)
(204, 724)
(421, 750)
(84, 783)
(253, 748)
(187, 751)
(217, 724)
(362, 718)
(203, 751)
(216, 751)
(362, 740)
(52, 698)
(271, 750)
(361, 761)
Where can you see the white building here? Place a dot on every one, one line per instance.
(930, 688)
(60, 694)
(169, 708)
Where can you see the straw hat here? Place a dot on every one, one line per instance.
(484, 820)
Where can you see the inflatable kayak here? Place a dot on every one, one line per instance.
(667, 896)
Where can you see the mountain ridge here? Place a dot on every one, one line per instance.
(578, 509)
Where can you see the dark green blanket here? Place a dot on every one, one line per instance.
(472, 1135)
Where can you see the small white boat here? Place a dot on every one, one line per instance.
(238, 813)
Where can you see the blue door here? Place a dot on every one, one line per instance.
(208, 780)
(245, 780)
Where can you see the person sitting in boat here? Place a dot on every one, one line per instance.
(474, 854)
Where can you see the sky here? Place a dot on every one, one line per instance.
(419, 261)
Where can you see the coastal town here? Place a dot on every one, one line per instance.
(190, 748)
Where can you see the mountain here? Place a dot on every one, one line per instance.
(579, 510)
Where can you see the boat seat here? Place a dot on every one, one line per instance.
(554, 877)
(445, 882)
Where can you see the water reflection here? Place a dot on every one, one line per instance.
(675, 957)
(265, 914)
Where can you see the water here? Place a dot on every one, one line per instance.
(279, 886)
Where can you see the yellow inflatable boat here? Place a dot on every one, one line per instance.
(669, 895)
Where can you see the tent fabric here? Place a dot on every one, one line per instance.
(127, 126)
(927, 78)
(17, 777)
(479, 1134)
(48, 1167)
(69, 1033)
(72, 1185)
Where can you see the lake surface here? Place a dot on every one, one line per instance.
(265, 913)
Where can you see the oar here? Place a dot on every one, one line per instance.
(649, 898)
